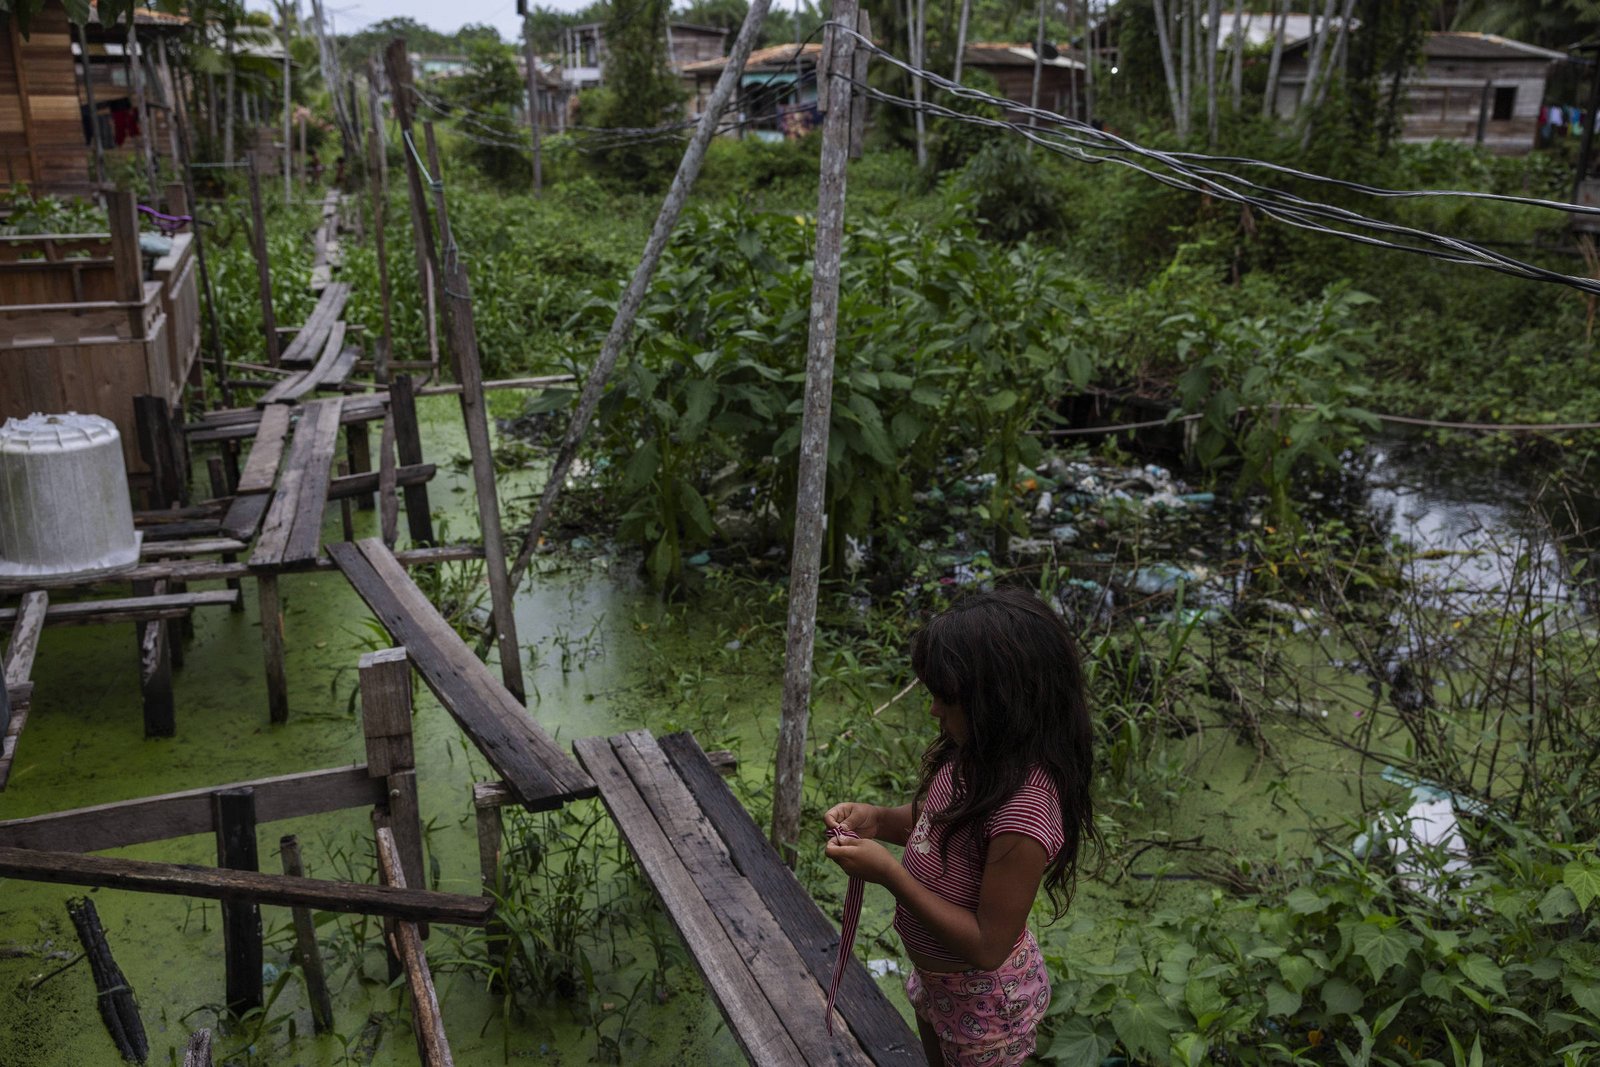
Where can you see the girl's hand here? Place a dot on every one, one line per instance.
(863, 858)
(862, 818)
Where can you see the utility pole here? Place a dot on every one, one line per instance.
(805, 562)
(1586, 146)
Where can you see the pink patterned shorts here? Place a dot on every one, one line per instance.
(985, 1018)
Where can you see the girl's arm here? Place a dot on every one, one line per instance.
(984, 938)
(869, 820)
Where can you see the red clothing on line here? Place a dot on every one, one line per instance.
(1034, 811)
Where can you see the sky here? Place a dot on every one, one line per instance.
(351, 15)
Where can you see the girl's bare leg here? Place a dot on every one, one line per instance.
(930, 1043)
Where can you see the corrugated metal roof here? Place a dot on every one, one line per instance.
(778, 55)
(1483, 46)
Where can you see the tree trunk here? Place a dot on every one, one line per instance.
(1186, 73)
(919, 41)
(1269, 100)
(1236, 89)
(961, 39)
(288, 132)
(1213, 25)
(1038, 66)
(230, 100)
(1319, 37)
(1089, 87)
(1164, 39)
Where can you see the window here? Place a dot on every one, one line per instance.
(1505, 102)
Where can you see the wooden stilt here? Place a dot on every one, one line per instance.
(307, 954)
(235, 811)
(386, 724)
(347, 518)
(272, 647)
(397, 65)
(155, 668)
(388, 516)
(219, 489)
(474, 412)
(258, 240)
(153, 426)
(197, 1053)
(118, 1008)
(358, 447)
(491, 837)
(432, 1046)
(408, 446)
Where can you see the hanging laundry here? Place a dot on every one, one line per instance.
(124, 121)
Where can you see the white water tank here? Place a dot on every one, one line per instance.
(64, 507)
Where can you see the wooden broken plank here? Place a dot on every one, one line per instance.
(751, 1018)
(872, 1019)
(204, 546)
(292, 530)
(180, 879)
(126, 609)
(309, 341)
(244, 516)
(428, 1021)
(537, 771)
(292, 389)
(261, 467)
(157, 818)
(215, 571)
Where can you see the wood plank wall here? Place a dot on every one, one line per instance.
(41, 133)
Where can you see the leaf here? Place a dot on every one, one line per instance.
(1204, 1000)
(1079, 1043)
(1438, 985)
(1585, 996)
(1559, 903)
(695, 511)
(905, 428)
(1004, 400)
(1145, 1025)
(1583, 878)
(549, 400)
(1307, 901)
(702, 395)
(1298, 972)
(641, 468)
(1280, 1001)
(1340, 997)
(1382, 947)
(1482, 971)
(927, 396)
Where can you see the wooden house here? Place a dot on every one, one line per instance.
(1474, 88)
(777, 92)
(77, 102)
(584, 51)
(1011, 66)
(88, 321)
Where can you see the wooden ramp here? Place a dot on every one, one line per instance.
(538, 773)
(765, 949)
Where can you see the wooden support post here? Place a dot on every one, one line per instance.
(307, 954)
(491, 838)
(220, 488)
(859, 101)
(474, 412)
(147, 130)
(88, 92)
(397, 64)
(408, 447)
(358, 446)
(633, 297)
(347, 521)
(535, 119)
(118, 1009)
(811, 492)
(197, 1053)
(258, 240)
(388, 512)
(155, 668)
(158, 446)
(432, 1045)
(272, 646)
(127, 265)
(377, 177)
(235, 811)
(386, 723)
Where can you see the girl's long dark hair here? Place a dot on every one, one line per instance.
(1012, 666)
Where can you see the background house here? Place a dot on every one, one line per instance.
(1471, 87)
(777, 93)
(583, 50)
(1011, 66)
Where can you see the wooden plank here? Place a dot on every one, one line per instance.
(388, 510)
(126, 609)
(774, 963)
(314, 334)
(158, 818)
(24, 645)
(364, 408)
(293, 388)
(305, 538)
(271, 616)
(216, 571)
(408, 448)
(287, 535)
(720, 962)
(354, 898)
(360, 484)
(427, 1019)
(875, 1022)
(261, 468)
(244, 516)
(539, 773)
(205, 546)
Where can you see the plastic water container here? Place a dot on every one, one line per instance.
(64, 506)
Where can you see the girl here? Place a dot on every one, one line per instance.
(1003, 805)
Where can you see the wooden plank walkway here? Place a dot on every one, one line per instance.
(240, 426)
(292, 530)
(314, 334)
(712, 886)
(539, 773)
(332, 368)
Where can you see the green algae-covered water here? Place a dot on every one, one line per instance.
(604, 655)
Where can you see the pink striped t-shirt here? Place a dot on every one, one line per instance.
(1034, 810)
